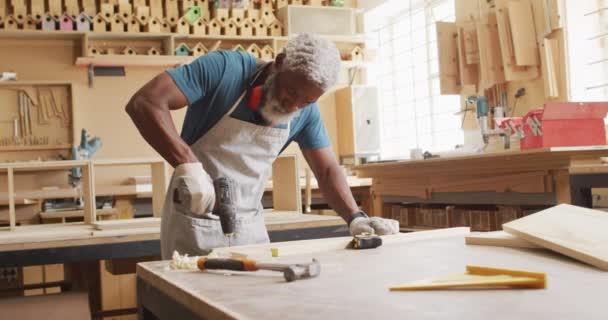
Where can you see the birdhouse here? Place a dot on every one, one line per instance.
(282, 3)
(221, 14)
(183, 26)
(239, 47)
(125, 9)
(66, 23)
(37, 13)
(255, 51)
(93, 51)
(182, 50)
(315, 2)
(214, 27)
(297, 2)
(107, 11)
(199, 27)
(48, 23)
(230, 28)
(83, 22)
(142, 14)
(222, 4)
(184, 5)
(246, 28)
(267, 4)
(132, 24)
(267, 16)
(260, 29)
(166, 27)
(193, 14)
(100, 23)
(19, 12)
(128, 51)
(356, 54)
(153, 52)
(117, 25)
(238, 15)
(29, 24)
(199, 50)
(267, 53)
(276, 28)
(10, 23)
(154, 26)
(253, 15)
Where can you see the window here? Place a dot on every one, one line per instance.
(587, 26)
(406, 69)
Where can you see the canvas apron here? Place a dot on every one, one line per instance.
(237, 150)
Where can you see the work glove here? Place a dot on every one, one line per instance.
(374, 225)
(193, 190)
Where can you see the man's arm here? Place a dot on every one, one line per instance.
(150, 109)
(332, 181)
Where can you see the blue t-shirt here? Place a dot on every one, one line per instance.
(215, 81)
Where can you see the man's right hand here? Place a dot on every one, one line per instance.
(193, 189)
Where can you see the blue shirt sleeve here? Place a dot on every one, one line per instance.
(313, 135)
(199, 77)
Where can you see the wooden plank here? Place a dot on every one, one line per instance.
(549, 61)
(579, 233)
(468, 55)
(447, 46)
(88, 193)
(467, 10)
(498, 239)
(287, 195)
(159, 187)
(11, 199)
(490, 60)
(127, 223)
(524, 34)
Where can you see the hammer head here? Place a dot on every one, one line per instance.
(302, 271)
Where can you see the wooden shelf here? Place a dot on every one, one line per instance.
(65, 146)
(132, 61)
(11, 83)
(41, 35)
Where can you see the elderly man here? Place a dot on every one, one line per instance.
(241, 114)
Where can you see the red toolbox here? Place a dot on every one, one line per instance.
(565, 124)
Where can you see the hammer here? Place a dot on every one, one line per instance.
(291, 272)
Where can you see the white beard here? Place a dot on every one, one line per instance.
(271, 110)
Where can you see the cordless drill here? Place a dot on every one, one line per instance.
(225, 208)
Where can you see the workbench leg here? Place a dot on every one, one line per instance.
(562, 187)
(378, 205)
(366, 200)
(85, 276)
(581, 186)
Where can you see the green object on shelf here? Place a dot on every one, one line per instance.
(182, 50)
(193, 14)
(336, 3)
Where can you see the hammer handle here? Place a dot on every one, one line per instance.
(227, 264)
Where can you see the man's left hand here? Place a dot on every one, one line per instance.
(375, 225)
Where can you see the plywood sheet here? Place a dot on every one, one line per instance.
(468, 55)
(523, 32)
(498, 239)
(490, 60)
(577, 232)
(447, 44)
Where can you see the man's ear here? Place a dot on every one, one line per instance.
(278, 60)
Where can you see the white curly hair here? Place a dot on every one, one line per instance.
(315, 57)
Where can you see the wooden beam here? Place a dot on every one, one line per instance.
(88, 193)
(286, 191)
(11, 199)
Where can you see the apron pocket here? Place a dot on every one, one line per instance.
(251, 230)
(196, 236)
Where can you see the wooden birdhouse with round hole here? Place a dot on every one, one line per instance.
(199, 49)
(183, 26)
(260, 29)
(128, 51)
(29, 24)
(48, 22)
(282, 3)
(155, 25)
(10, 23)
(214, 27)
(230, 28)
(142, 14)
(107, 11)
(246, 28)
(166, 27)
(100, 24)
(153, 52)
(20, 14)
(267, 53)
(117, 25)
(356, 54)
(254, 50)
(182, 50)
(267, 15)
(199, 27)
(252, 14)
(238, 15)
(132, 24)
(93, 51)
(83, 22)
(267, 4)
(221, 14)
(276, 28)
(66, 23)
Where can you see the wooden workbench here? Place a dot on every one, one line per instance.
(534, 177)
(354, 284)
